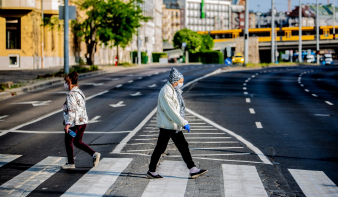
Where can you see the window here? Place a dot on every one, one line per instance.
(14, 60)
(146, 39)
(13, 33)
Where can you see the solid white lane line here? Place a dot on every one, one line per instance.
(98, 180)
(203, 129)
(193, 123)
(252, 111)
(220, 142)
(135, 144)
(147, 135)
(215, 148)
(125, 140)
(227, 160)
(27, 181)
(58, 132)
(52, 113)
(175, 180)
(211, 154)
(306, 90)
(314, 183)
(245, 92)
(201, 138)
(118, 86)
(247, 100)
(5, 158)
(238, 137)
(259, 125)
(314, 95)
(202, 126)
(244, 88)
(203, 133)
(244, 181)
(139, 140)
(329, 103)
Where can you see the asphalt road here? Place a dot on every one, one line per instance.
(260, 132)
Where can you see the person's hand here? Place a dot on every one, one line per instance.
(187, 127)
(67, 127)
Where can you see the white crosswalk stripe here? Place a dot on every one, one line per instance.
(314, 183)
(98, 180)
(5, 158)
(174, 183)
(26, 182)
(242, 181)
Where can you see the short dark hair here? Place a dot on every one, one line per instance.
(72, 77)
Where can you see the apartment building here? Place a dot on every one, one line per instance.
(171, 21)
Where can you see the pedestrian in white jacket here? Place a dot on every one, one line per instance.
(170, 120)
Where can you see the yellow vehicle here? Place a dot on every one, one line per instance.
(238, 59)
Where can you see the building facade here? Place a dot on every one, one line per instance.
(217, 15)
(171, 21)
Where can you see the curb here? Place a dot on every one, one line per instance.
(29, 88)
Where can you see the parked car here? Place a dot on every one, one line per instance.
(328, 59)
(310, 59)
(238, 59)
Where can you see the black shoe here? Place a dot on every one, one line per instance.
(200, 173)
(150, 176)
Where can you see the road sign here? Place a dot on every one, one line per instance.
(227, 61)
(72, 12)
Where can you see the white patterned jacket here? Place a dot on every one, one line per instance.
(74, 109)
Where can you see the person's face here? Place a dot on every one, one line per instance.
(180, 81)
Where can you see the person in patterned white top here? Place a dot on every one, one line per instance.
(75, 119)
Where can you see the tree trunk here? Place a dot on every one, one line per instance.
(117, 53)
(91, 45)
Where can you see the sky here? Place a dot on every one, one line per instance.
(281, 5)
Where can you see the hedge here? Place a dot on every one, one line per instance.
(144, 57)
(157, 56)
(207, 57)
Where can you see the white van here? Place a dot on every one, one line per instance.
(310, 58)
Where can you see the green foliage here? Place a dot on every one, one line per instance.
(207, 57)
(191, 38)
(144, 57)
(84, 69)
(207, 42)
(111, 22)
(157, 56)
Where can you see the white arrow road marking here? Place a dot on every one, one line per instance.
(152, 86)
(94, 84)
(94, 120)
(34, 103)
(136, 94)
(119, 104)
(164, 80)
(2, 117)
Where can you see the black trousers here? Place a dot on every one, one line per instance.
(162, 142)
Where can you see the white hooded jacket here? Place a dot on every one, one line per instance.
(168, 109)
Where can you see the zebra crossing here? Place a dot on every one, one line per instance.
(237, 180)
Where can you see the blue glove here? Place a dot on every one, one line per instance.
(187, 127)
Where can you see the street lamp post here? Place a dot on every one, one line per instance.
(317, 33)
(246, 33)
(66, 38)
(300, 58)
(42, 34)
(272, 31)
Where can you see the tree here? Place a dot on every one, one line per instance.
(191, 38)
(207, 42)
(111, 22)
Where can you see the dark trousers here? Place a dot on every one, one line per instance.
(77, 140)
(162, 142)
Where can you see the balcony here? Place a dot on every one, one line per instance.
(18, 4)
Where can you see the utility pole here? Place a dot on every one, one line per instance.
(246, 33)
(66, 38)
(273, 31)
(300, 58)
(317, 33)
(42, 34)
(334, 19)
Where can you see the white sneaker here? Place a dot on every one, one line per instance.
(96, 158)
(68, 166)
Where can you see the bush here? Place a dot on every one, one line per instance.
(207, 57)
(157, 56)
(144, 57)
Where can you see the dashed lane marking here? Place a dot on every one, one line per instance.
(314, 95)
(259, 125)
(328, 102)
(252, 111)
(247, 100)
